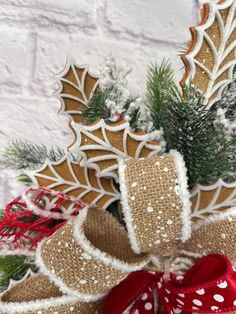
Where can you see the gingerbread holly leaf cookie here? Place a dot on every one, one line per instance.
(70, 178)
(101, 145)
(212, 199)
(211, 57)
(77, 87)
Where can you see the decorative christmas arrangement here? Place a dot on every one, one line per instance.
(139, 215)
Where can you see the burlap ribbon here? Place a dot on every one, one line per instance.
(92, 253)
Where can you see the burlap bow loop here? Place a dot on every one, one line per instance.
(215, 234)
(93, 253)
(155, 202)
(82, 259)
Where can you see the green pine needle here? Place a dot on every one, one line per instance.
(228, 100)
(184, 47)
(2, 213)
(24, 179)
(190, 128)
(96, 108)
(26, 155)
(14, 267)
(160, 83)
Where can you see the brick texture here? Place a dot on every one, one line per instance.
(37, 36)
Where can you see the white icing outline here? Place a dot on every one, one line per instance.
(126, 208)
(98, 254)
(184, 194)
(213, 207)
(219, 56)
(79, 150)
(230, 213)
(80, 86)
(58, 282)
(72, 185)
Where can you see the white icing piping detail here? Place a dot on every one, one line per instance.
(213, 206)
(104, 144)
(231, 213)
(76, 184)
(80, 87)
(219, 56)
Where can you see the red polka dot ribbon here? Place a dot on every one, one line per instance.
(208, 287)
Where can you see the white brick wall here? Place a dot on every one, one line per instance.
(36, 36)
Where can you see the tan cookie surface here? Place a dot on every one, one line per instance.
(77, 86)
(70, 178)
(212, 199)
(101, 145)
(211, 57)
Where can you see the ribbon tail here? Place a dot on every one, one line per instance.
(208, 287)
(127, 292)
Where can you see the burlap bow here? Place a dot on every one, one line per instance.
(92, 253)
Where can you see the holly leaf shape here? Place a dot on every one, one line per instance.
(101, 145)
(70, 178)
(211, 57)
(77, 86)
(212, 199)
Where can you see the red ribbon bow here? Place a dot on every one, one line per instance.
(208, 287)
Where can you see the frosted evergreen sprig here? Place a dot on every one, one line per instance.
(14, 267)
(114, 101)
(207, 144)
(226, 114)
(160, 84)
(21, 154)
(190, 128)
(228, 123)
(228, 101)
(113, 75)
